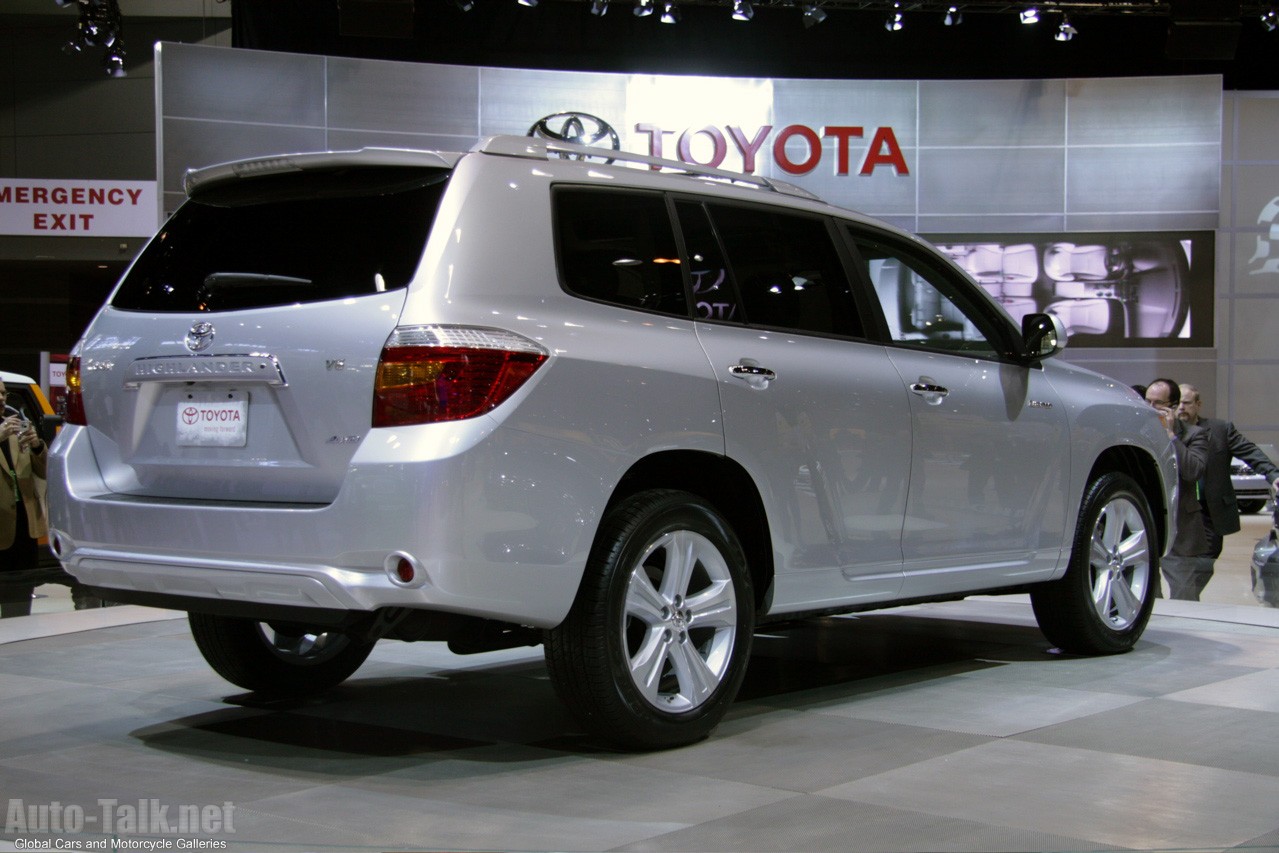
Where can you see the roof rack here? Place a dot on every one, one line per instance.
(543, 149)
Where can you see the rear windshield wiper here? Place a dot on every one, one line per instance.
(214, 282)
(225, 291)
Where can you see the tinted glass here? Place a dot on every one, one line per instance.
(714, 297)
(619, 247)
(284, 239)
(922, 305)
(786, 269)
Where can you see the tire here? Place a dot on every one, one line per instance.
(656, 644)
(1252, 506)
(284, 660)
(1102, 604)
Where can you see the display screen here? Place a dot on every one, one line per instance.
(1110, 290)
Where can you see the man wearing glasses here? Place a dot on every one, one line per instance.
(1187, 562)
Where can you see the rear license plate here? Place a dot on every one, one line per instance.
(213, 419)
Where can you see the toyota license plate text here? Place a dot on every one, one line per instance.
(213, 419)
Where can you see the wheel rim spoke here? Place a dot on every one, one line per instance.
(696, 679)
(716, 607)
(643, 601)
(681, 559)
(648, 662)
(1126, 603)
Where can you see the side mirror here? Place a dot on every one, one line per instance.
(1043, 335)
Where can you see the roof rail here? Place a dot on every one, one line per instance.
(544, 149)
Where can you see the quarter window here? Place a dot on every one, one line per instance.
(619, 247)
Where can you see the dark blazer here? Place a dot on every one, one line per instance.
(1190, 444)
(1224, 442)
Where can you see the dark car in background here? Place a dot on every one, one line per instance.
(1252, 491)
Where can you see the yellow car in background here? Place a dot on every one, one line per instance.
(26, 397)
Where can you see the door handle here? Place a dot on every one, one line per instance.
(754, 375)
(932, 393)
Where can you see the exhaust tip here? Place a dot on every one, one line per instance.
(59, 544)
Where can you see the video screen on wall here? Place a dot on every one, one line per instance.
(1110, 290)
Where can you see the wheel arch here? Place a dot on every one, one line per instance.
(1144, 470)
(727, 486)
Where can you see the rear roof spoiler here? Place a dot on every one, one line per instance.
(199, 178)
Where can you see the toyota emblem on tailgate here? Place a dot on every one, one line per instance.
(200, 337)
(578, 129)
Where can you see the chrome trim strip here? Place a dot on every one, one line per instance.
(250, 367)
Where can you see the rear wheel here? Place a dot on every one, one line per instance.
(1102, 604)
(655, 647)
(279, 660)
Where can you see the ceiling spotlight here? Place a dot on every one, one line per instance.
(529, 3)
(643, 8)
(1270, 19)
(954, 17)
(1030, 16)
(894, 21)
(599, 8)
(813, 14)
(1065, 31)
(670, 14)
(742, 10)
(465, 5)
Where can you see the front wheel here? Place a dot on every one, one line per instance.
(276, 660)
(655, 646)
(1102, 604)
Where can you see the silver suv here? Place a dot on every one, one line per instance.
(626, 408)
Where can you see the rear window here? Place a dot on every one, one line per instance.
(286, 239)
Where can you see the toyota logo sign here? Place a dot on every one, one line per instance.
(577, 129)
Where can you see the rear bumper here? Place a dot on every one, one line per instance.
(482, 544)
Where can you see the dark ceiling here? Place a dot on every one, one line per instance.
(1157, 37)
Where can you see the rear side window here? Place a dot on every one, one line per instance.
(285, 239)
(619, 247)
(787, 270)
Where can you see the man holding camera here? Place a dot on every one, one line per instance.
(23, 461)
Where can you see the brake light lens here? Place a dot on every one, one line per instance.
(429, 374)
(74, 394)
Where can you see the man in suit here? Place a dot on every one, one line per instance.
(1186, 558)
(1216, 494)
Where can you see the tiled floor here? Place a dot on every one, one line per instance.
(950, 727)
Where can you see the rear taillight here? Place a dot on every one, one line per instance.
(429, 374)
(74, 394)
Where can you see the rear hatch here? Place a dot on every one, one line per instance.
(236, 360)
